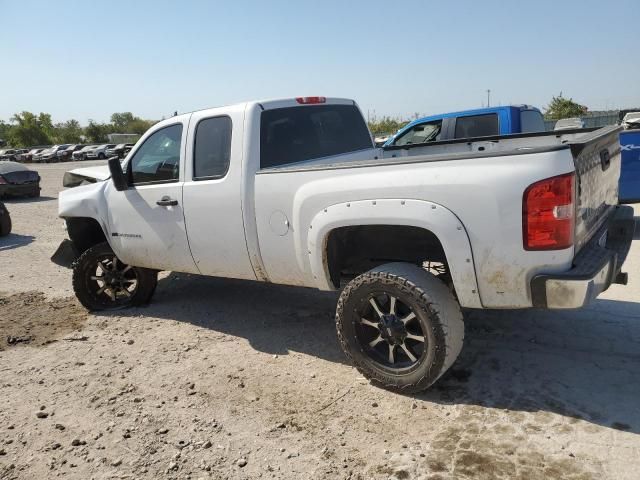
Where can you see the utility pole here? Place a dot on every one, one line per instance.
(488, 98)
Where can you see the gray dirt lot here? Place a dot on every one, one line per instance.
(230, 379)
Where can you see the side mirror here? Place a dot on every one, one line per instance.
(118, 177)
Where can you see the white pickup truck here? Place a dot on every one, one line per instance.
(294, 192)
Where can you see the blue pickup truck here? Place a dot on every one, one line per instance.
(482, 122)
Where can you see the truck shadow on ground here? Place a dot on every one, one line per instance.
(274, 319)
(12, 200)
(13, 240)
(583, 364)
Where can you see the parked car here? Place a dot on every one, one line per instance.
(293, 192)
(82, 153)
(631, 121)
(65, 154)
(27, 157)
(100, 152)
(569, 124)
(9, 154)
(5, 220)
(119, 150)
(49, 155)
(14, 155)
(128, 147)
(16, 179)
(482, 122)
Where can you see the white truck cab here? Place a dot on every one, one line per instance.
(294, 192)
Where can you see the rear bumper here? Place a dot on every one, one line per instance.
(594, 269)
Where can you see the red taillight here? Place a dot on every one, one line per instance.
(2, 180)
(547, 214)
(310, 100)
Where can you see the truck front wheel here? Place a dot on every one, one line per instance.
(102, 282)
(400, 326)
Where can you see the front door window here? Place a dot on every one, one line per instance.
(158, 159)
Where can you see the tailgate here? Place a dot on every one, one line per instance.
(596, 157)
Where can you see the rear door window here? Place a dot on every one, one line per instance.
(531, 121)
(296, 134)
(212, 148)
(477, 126)
(422, 133)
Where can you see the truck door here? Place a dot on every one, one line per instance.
(146, 221)
(213, 192)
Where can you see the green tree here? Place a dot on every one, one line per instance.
(96, 132)
(68, 132)
(121, 121)
(127, 122)
(561, 107)
(5, 131)
(386, 125)
(29, 129)
(140, 126)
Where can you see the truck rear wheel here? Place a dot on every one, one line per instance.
(102, 282)
(401, 326)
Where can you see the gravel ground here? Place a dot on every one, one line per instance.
(229, 379)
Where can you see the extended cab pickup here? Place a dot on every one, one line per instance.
(293, 192)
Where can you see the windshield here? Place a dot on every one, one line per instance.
(423, 133)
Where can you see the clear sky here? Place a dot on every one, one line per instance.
(88, 59)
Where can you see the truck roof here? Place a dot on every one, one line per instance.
(270, 104)
(475, 111)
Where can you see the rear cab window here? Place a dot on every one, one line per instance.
(296, 134)
(485, 125)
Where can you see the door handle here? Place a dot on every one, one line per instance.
(167, 202)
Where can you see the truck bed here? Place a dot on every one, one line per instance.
(598, 187)
(480, 181)
(466, 149)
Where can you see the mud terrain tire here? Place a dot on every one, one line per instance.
(87, 289)
(427, 302)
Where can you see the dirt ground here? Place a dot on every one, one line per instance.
(228, 379)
